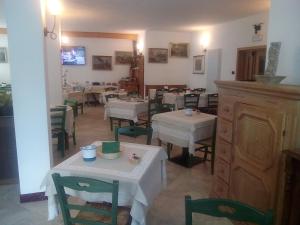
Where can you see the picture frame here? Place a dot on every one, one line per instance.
(158, 55)
(180, 50)
(199, 64)
(102, 62)
(123, 57)
(3, 55)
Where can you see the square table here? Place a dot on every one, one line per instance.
(125, 109)
(139, 183)
(178, 129)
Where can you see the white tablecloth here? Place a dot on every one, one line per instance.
(125, 109)
(177, 128)
(178, 99)
(138, 184)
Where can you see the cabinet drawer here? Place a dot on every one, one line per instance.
(220, 188)
(225, 130)
(222, 170)
(225, 108)
(223, 150)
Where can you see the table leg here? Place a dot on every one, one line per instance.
(186, 159)
(159, 142)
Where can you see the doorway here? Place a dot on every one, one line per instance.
(250, 62)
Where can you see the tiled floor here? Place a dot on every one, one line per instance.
(167, 209)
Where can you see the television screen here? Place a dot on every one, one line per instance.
(73, 55)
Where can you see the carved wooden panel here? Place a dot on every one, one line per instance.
(223, 150)
(256, 148)
(224, 130)
(225, 108)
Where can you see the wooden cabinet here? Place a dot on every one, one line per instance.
(255, 123)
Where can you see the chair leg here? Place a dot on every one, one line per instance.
(111, 123)
(66, 138)
(61, 144)
(212, 163)
(205, 153)
(169, 148)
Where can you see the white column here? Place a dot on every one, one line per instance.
(27, 64)
(284, 27)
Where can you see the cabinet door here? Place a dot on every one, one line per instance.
(257, 143)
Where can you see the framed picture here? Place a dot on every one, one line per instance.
(102, 62)
(3, 55)
(199, 64)
(158, 55)
(123, 57)
(179, 50)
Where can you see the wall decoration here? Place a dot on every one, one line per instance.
(123, 57)
(179, 50)
(158, 55)
(102, 62)
(199, 64)
(3, 55)
(273, 56)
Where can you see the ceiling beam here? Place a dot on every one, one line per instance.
(132, 37)
(3, 31)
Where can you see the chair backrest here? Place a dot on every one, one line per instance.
(96, 83)
(232, 210)
(199, 90)
(58, 117)
(134, 131)
(153, 108)
(166, 107)
(86, 185)
(212, 100)
(74, 104)
(107, 97)
(191, 100)
(159, 95)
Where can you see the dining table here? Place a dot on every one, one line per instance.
(127, 109)
(182, 129)
(139, 183)
(120, 94)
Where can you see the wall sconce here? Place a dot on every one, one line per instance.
(204, 41)
(54, 8)
(140, 47)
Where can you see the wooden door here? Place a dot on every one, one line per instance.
(250, 62)
(257, 147)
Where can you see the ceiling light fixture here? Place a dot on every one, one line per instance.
(54, 8)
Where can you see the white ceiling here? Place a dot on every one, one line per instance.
(136, 15)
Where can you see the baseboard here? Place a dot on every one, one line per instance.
(33, 197)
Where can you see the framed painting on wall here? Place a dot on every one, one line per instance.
(123, 57)
(3, 55)
(199, 64)
(179, 50)
(102, 62)
(158, 55)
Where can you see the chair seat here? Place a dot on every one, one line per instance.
(124, 217)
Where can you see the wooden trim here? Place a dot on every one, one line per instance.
(3, 31)
(132, 37)
(252, 48)
(33, 197)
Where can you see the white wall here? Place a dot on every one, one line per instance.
(27, 64)
(98, 46)
(4, 67)
(228, 37)
(177, 70)
(284, 27)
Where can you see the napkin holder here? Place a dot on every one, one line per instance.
(111, 150)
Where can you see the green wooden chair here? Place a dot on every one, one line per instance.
(134, 131)
(191, 101)
(58, 121)
(230, 209)
(88, 213)
(208, 146)
(166, 107)
(73, 103)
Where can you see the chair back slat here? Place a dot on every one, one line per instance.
(212, 100)
(58, 117)
(230, 209)
(191, 100)
(86, 185)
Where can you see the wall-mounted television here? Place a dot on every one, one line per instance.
(73, 55)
